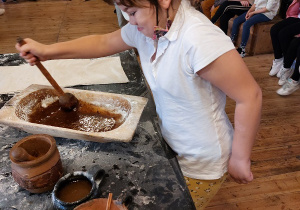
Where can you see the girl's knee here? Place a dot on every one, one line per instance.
(247, 25)
(236, 23)
(274, 30)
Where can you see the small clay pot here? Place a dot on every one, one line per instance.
(94, 176)
(38, 174)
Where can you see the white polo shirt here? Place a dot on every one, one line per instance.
(271, 5)
(191, 110)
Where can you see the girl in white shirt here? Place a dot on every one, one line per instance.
(261, 11)
(184, 58)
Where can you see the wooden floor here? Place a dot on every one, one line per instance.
(276, 154)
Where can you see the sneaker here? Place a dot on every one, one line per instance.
(2, 11)
(288, 88)
(286, 73)
(276, 66)
(241, 51)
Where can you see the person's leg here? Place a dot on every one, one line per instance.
(274, 33)
(278, 56)
(224, 19)
(296, 74)
(292, 83)
(206, 6)
(226, 11)
(202, 191)
(291, 53)
(285, 36)
(289, 58)
(247, 25)
(235, 30)
(223, 8)
(246, 31)
(236, 26)
(229, 13)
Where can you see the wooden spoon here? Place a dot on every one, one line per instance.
(67, 101)
(21, 155)
(109, 201)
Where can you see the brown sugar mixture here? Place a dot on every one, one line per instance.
(100, 115)
(86, 117)
(74, 190)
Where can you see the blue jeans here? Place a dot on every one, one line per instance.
(258, 18)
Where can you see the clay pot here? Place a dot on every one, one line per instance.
(40, 173)
(62, 188)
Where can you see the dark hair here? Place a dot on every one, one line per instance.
(136, 3)
(139, 3)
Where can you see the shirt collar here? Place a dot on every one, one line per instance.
(177, 22)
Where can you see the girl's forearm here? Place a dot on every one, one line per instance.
(262, 10)
(247, 119)
(89, 47)
(252, 8)
(84, 47)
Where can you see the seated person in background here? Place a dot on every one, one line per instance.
(261, 11)
(228, 10)
(292, 83)
(209, 8)
(282, 34)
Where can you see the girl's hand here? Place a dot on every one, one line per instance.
(245, 3)
(31, 51)
(240, 170)
(249, 15)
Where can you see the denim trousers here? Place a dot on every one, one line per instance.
(257, 18)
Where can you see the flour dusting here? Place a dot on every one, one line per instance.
(48, 100)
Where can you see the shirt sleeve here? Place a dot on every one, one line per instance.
(128, 34)
(272, 5)
(209, 43)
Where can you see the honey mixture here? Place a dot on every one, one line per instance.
(74, 190)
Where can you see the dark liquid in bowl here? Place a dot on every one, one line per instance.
(74, 190)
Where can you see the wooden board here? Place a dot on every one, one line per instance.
(123, 133)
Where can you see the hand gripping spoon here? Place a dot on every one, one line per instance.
(67, 101)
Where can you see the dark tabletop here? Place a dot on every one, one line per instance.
(143, 172)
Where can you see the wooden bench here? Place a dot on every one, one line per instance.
(259, 40)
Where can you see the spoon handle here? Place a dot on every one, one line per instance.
(44, 71)
(109, 201)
